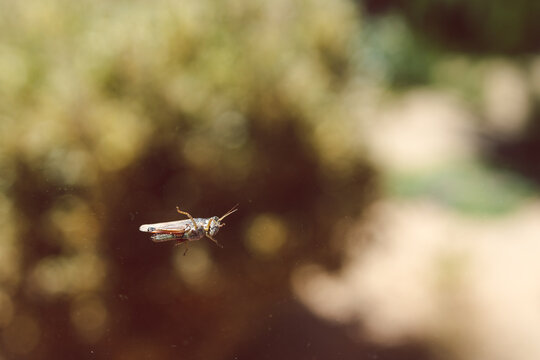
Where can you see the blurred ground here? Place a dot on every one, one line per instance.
(386, 169)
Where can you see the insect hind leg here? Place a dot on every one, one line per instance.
(188, 215)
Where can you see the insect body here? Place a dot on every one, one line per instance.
(191, 229)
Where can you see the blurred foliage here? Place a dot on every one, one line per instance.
(404, 42)
(112, 113)
(395, 55)
(468, 188)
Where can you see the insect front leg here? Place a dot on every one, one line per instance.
(214, 240)
(207, 229)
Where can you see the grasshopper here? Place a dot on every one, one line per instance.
(191, 229)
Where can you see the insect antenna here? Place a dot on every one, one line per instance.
(234, 209)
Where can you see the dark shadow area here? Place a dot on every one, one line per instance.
(291, 332)
(521, 154)
(469, 26)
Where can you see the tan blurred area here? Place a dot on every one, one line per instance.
(384, 157)
(469, 288)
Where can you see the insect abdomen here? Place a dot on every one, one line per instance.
(164, 237)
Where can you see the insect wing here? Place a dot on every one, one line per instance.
(177, 228)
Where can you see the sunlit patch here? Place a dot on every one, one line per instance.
(535, 76)
(334, 142)
(266, 235)
(120, 135)
(195, 267)
(231, 130)
(430, 274)
(421, 130)
(326, 296)
(506, 98)
(22, 335)
(89, 317)
(44, 135)
(13, 69)
(55, 275)
(78, 225)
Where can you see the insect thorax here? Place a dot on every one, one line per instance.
(195, 234)
(211, 225)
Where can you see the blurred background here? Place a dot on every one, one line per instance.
(385, 155)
